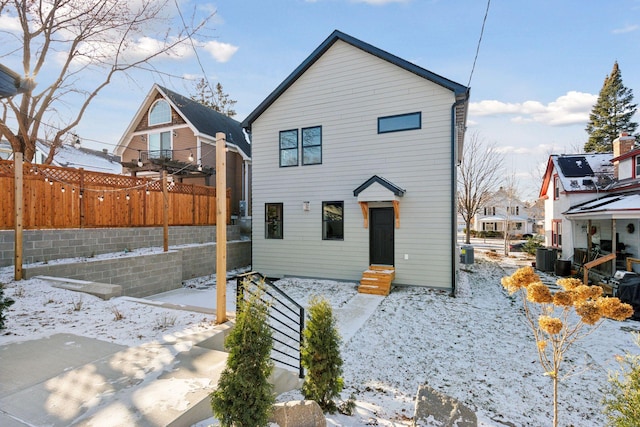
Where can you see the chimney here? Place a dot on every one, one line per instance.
(621, 146)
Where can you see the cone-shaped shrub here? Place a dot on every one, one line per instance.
(244, 396)
(622, 398)
(321, 356)
(5, 302)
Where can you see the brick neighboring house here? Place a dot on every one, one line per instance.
(174, 133)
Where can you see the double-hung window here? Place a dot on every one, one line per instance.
(332, 220)
(312, 145)
(273, 221)
(289, 148)
(637, 166)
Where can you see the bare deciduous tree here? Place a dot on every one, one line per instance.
(73, 49)
(479, 174)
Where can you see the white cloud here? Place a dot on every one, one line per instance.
(569, 109)
(221, 52)
(626, 29)
(10, 23)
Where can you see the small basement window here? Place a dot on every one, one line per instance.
(400, 122)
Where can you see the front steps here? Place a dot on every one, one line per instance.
(377, 280)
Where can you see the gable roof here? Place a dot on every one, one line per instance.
(461, 92)
(578, 172)
(208, 121)
(375, 179)
(204, 121)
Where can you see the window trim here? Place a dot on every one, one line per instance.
(280, 149)
(324, 221)
(401, 129)
(266, 221)
(160, 150)
(302, 146)
(154, 105)
(556, 233)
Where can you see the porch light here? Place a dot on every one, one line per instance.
(62, 189)
(306, 206)
(200, 167)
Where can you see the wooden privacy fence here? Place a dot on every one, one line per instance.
(57, 197)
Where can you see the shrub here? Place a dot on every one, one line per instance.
(321, 356)
(559, 320)
(532, 244)
(622, 398)
(244, 396)
(5, 302)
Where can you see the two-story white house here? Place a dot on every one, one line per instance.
(354, 165)
(504, 211)
(592, 203)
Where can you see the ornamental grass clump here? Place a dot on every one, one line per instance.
(560, 319)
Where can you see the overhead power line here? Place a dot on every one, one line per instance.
(484, 21)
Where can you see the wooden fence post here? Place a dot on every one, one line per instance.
(18, 187)
(221, 228)
(165, 211)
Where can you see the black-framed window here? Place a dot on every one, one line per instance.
(400, 122)
(312, 145)
(332, 220)
(289, 148)
(273, 223)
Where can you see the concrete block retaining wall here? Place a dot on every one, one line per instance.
(141, 275)
(48, 245)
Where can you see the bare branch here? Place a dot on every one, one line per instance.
(76, 47)
(479, 174)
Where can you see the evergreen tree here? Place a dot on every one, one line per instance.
(5, 302)
(611, 114)
(321, 356)
(217, 100)
(244, 396)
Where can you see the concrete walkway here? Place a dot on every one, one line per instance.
(69, 380)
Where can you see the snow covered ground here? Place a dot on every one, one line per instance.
(475, 347)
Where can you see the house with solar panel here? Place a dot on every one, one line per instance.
(354, 170)
(592, 205)
(174, 133)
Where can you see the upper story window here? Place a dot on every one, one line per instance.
(489, 210)
(332, 220)
(159, 113)
(312, 145)
(400, 122)
(160, 145)
(637, 166)
(556, 187)
(289, 148)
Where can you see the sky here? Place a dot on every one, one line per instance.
(539, 68)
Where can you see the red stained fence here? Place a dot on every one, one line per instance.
(56, 197)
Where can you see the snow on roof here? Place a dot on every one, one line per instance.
(583, 172)
(608, 204)
(71, 157)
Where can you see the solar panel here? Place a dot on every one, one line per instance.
(575, 166)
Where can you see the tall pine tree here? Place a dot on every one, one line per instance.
(217, 100)
(611, 114)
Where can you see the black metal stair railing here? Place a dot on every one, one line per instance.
(286, 317)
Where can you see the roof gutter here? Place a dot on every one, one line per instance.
(454, 191)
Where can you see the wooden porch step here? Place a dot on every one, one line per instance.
(377, 280)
